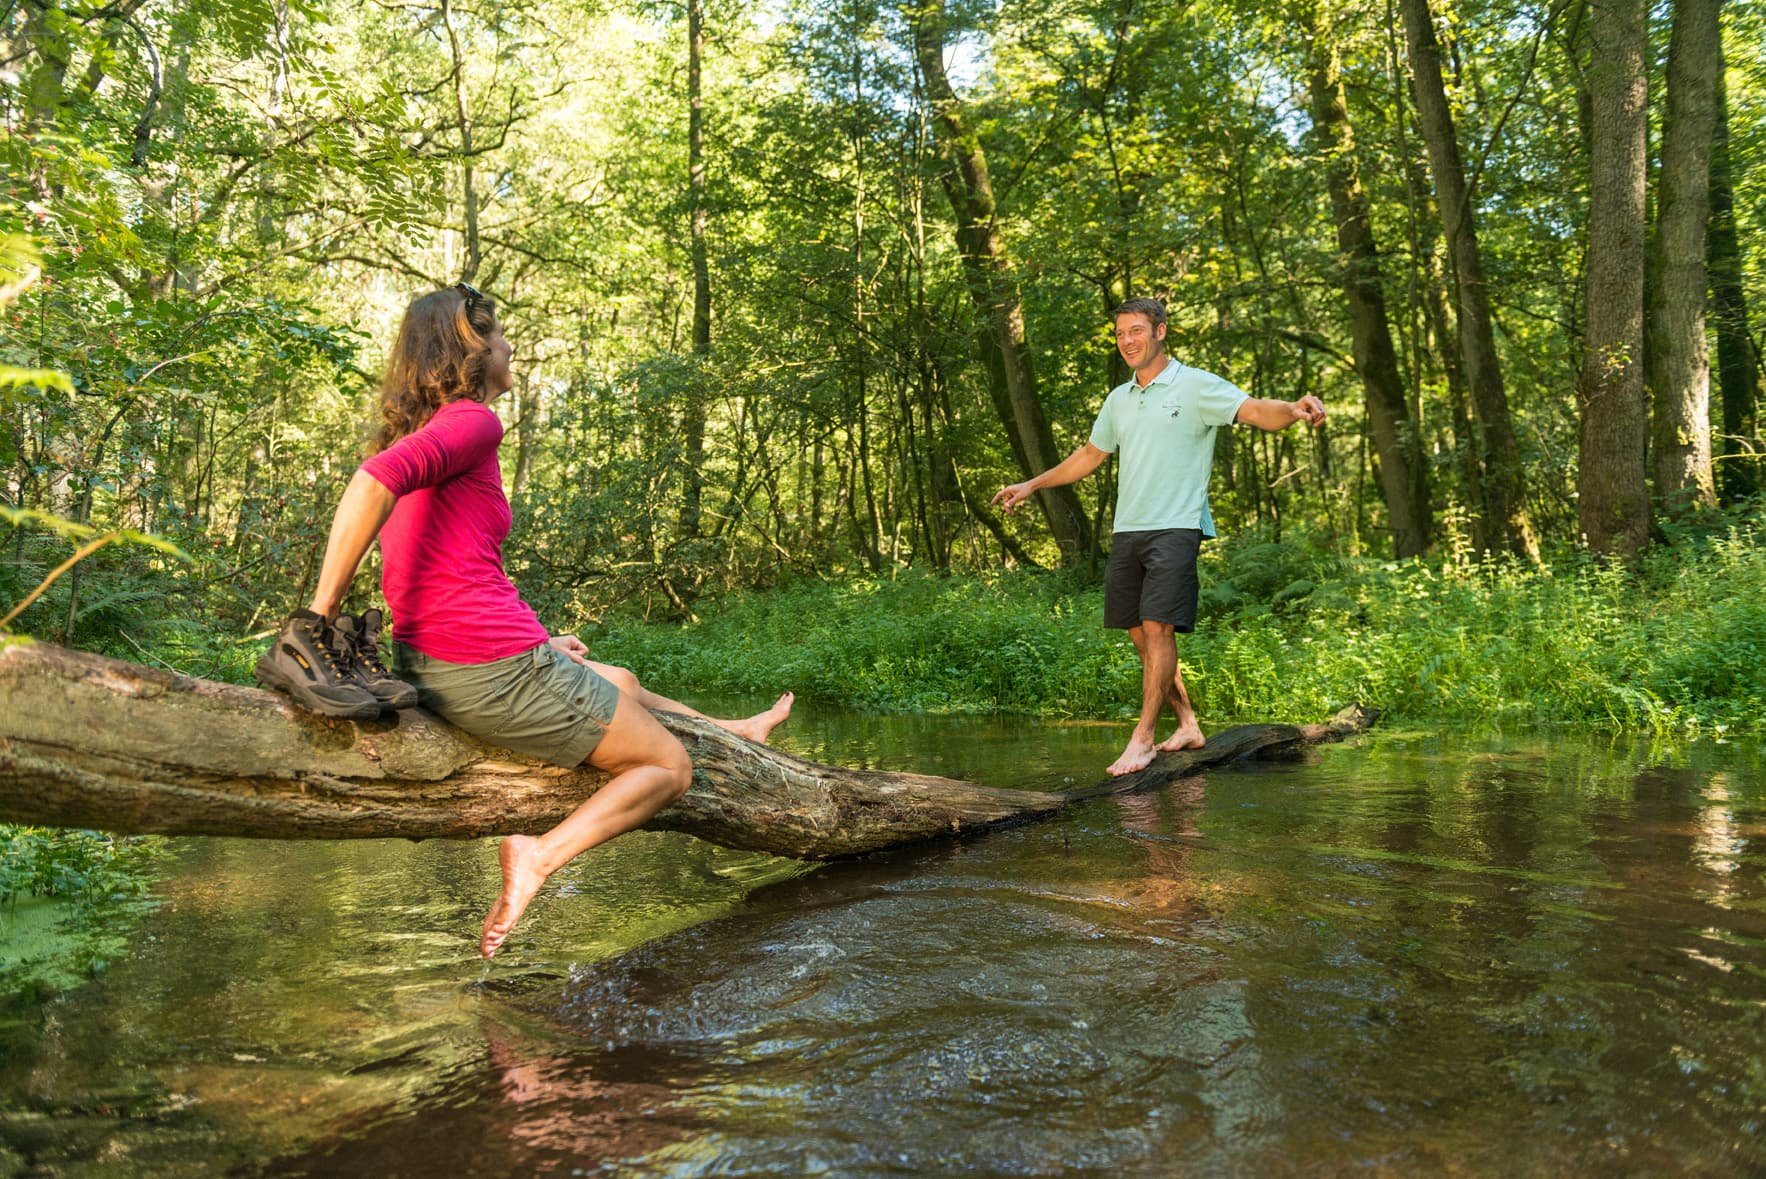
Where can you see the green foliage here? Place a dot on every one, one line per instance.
(213, 213)
(88, 867)
(919, 643)
(1286, 632)
(68, 900)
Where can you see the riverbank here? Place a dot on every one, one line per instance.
(1678, 643)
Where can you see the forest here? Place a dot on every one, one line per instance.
(793, 288)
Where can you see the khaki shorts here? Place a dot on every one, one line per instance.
(539, 703)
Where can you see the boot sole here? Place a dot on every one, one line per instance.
(404, 701)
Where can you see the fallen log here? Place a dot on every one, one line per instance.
(91, 742)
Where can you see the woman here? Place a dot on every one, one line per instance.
(477, 654)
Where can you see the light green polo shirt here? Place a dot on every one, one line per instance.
(1165, 434)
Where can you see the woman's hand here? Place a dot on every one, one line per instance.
(570, 645)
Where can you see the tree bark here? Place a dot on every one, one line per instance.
(87, 741)
(1613, 501)
(1402, 475)
(1504, 507)
(1679, 362)
(993, 288)
(1738, 364)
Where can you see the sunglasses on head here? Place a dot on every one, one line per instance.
(473, 295)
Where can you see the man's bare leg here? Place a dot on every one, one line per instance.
(755, 728)
(1189, 733)
(650, 770)
(1158, 661)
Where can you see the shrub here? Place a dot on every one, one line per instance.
(1285, 632)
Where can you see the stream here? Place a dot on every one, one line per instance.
(1519, 953)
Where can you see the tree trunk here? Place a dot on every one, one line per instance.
(527, 433)
(51, 54)
(1434, 338)
(1738, 365)
(993, 288)
(469, 191)
(1614, 502)
(1679, 363)
(1402, 475)
(87, 741)
(693, 427)
(1504, 507)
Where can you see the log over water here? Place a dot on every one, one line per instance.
(87, 741)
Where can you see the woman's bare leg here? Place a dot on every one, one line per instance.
(755, 728)
(650, 770)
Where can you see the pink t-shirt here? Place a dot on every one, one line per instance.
(443, 544)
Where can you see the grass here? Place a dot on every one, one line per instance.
(1286, 632)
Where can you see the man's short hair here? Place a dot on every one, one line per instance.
(1151, 308)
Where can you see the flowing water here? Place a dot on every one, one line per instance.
(1414, 954)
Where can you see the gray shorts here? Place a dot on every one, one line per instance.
(1151, 577)
(539, 703)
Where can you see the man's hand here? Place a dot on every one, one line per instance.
(570, 645)
(1272, 414)
(1010, 497)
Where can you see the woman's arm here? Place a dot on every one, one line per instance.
(365, 505)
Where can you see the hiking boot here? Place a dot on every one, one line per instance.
(361, 637)
(308, 661)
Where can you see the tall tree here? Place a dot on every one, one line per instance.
(1613, 502)
(1506, 523)
(1679, 363)
(693, 427)
(468, 182)
(993, 286)
(1738, 364)
(1402, 475)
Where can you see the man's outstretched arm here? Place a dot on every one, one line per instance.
(1271, 415)
(1071, 469)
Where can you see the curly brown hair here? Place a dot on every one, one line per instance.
(440, 356)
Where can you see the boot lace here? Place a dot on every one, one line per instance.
(368, 651)
(322, 642)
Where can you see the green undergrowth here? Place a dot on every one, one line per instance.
(1288, 632)
(68, 900)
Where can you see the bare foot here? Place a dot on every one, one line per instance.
(1138, 756)
(523, 874)
(759, 726)
(1187, 737)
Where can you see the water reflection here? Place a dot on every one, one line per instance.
(524, 1107)
(1422, 954)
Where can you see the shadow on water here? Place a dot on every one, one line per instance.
(1459, 954)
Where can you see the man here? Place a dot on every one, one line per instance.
(1163, 421)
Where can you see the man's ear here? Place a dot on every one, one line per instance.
(1159, 333)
